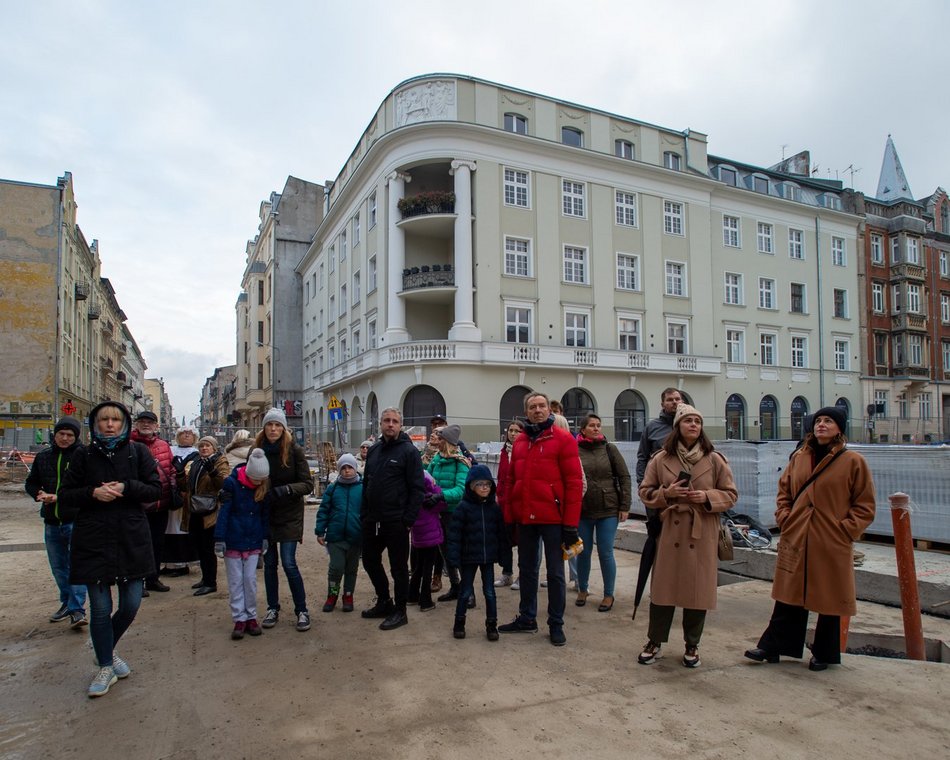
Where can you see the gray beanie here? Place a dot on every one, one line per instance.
(275, 415)
(257, 465)
(450, 433)
(344, 460)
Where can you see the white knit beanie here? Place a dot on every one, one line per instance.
(275, 415)
(257, 465)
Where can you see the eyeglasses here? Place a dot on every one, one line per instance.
(481, 484)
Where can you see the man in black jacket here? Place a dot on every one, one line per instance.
(393, 487)
(43, 484)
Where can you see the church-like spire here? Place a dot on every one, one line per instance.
(893, 182)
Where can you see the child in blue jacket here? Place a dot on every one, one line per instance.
(476, 534)
(338, 528)
(240, 536)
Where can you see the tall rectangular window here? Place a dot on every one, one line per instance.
(372, 211)
(944, 308)
(572, 198)
(838, 257)
(763, 237)
(575, 265)
(356, 288)
(895, 250)
(877, 249)
(672, 218)
(628, 271)
(626, 208)
(371, 334)
(944, 263)
(628, 330)
(344, 307)
(880, 403)
(796, 244)
(331, 313)
(735, 346)
(898, 350)
(517, 257)
(331, 259)
(730, 231)
(260, 292)
(799, 351)
(676, 338)
(797, 296)
(913, 298)
(946, 355)
(915, 344)
(260, 333)
(924, 404)
(516, 188)
(675, 278)
(518, 324)
(356, 230)
(343, 246)
(880, 349)
(260, 376)
(357, 346)
(842, 355)
(896, 301)
(766, 293)
(575, 329)
(767, 349)
(371, 285)
(841, 303)
(733, 288)
(913, 250)
(877, 297)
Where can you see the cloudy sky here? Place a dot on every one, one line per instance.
(178, 118)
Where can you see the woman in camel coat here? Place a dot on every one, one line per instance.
(814, 570)
(687, 563)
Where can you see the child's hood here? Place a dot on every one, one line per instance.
(479, 472)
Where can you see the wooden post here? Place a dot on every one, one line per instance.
(907, 576)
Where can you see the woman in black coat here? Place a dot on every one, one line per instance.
(290, 482)
(107, 483)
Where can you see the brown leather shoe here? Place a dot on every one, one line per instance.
(607, 605)
(581, 598)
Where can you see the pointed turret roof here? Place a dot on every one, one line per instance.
(893, 182)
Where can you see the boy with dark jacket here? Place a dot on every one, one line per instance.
(476, 534)
(43, 484)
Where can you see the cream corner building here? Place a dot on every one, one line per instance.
(481, 241)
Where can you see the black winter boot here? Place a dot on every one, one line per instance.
(491, 629)
(459, 630)
(451, 595)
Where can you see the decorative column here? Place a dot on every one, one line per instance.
(464, 327)
(395, 262)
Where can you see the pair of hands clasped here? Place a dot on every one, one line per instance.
(681, 490)
(109, 491)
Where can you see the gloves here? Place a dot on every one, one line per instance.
(179, 465)
(219, 548)
(281, 491)
(265, 546)
(568, 535)
(430, 500)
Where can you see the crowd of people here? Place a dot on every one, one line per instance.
(116, 510)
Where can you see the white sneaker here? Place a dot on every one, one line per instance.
(505, 580)
(120, 666)
(544, 584)
(101, 683)
(516, 584)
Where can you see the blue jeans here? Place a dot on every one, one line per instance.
(467, 589)
(530, 540)
(288, 558)
(58, 538)
(106, 629)
(605, 529)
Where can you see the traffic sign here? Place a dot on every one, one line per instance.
(336, 413)
(334, 403)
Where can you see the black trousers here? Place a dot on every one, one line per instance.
(785, 634)
(202, 540)
(420, 584)
(157, 522)
(391, 537)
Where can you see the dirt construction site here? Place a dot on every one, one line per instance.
(345, 689)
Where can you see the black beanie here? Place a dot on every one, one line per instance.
(68, 423)
(836, 413)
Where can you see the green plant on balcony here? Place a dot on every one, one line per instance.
(431, 202)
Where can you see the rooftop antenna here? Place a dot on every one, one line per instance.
(850, 169)
(784, 146)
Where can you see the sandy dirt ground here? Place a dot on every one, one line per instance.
(344, 689)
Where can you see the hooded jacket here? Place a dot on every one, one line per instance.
(46, 474)
(477, 527)
(241, 522)
(338, 517)
(111, 540)
(427, 529)
(162, 453)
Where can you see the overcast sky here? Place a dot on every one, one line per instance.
(178, 118)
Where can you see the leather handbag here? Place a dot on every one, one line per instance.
(726, 550)
(203, 504)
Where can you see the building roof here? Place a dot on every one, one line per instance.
(893, 182)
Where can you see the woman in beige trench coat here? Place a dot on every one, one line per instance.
(814, 569)
(687, 562)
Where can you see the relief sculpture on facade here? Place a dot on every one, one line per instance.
(432, 101)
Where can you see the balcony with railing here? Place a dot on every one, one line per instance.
(82, 291)
(909, 321)
(907, 271)
(509, 354)
(94, 311)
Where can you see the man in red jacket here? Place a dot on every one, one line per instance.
(146, 432)
(543, 487)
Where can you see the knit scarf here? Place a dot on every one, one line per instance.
(354, 478)
(535, 429)
(689, 457)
